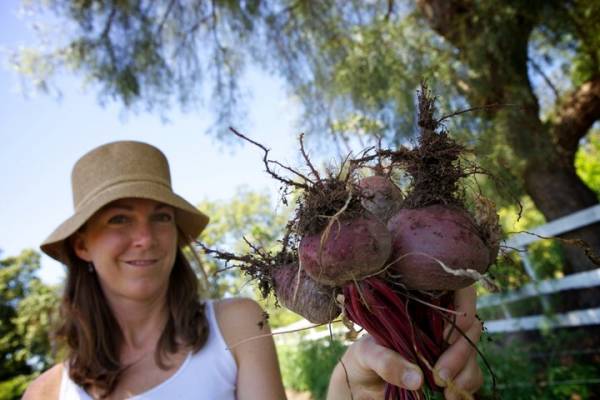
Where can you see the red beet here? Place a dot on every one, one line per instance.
(424, 237)
(380, 196)
(352, 250)
(304, 296)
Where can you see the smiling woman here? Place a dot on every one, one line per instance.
(133, 322)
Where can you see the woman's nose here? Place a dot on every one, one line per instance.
(143, 235)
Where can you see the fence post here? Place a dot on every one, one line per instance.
(546, 306)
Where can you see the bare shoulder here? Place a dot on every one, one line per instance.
(45, 386)
(240, 319)
(240, 316)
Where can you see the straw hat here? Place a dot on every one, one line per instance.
(115, 171)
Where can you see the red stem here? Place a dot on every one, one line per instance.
(412, 329)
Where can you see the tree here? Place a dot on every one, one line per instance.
(27, 307)
(533, 66)
(249, 217)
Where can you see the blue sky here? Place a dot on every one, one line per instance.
(41, 137)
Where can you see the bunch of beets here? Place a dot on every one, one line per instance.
(387, 260)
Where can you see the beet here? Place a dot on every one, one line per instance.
(304, 296)
(352, 250)
(380, 196)
(446, 234)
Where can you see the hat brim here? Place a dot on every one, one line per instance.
(187, 217)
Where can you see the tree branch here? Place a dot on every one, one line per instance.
(390, 10)
(545, 77)
(446, 16)
(164, 18)
(109, 22)
(576, 116)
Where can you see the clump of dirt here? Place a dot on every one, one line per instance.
(325, 199)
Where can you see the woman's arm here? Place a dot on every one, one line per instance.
(368, 365)
(247, 333)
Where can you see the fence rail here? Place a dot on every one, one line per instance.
(519, 242)
(571, 319)
(580, 280)
(559, 226)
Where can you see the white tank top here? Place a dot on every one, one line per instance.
(210, 374)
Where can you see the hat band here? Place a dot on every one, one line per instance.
(130, 178)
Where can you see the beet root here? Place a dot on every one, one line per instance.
(350, 251)
(304, 296)
(423, 238)
(380, 196)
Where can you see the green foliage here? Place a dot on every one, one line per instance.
(546, 255)
(249, 216)
(36, 315)
(27, 309)
(13, 388)
(541, 370)
(364, 58)
(585, 63)
(587, 161)
(144, 53)
(307, 366)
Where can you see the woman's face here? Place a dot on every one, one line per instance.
(132, 244)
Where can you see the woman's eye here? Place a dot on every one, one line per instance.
(163, 217)
(117, 219)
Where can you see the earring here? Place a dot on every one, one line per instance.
(90, 268)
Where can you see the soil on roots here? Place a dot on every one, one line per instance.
(434, 165)
(325, 200)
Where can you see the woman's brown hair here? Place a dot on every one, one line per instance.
(93, 337)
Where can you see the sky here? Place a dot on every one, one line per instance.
(42, 136)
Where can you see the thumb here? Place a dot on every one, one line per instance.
(389, 365)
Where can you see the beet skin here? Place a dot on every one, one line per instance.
(435, 233)
(380, 196)
(353, 250)
(313, 301)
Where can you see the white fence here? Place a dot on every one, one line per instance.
(538, 288)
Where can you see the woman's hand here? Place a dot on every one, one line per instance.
(366, 366)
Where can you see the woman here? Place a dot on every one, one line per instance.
(134, 327)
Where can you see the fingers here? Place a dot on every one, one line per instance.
(389, 365)
(457, 369)
(469, 380)
(455, 358)
(465, 303)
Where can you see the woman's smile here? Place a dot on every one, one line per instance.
(142, 263)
